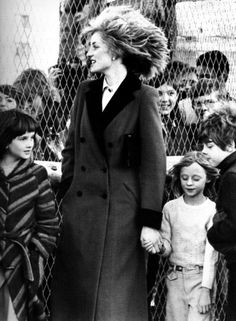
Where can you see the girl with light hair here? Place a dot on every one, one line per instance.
(113, 174)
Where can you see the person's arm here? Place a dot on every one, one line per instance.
(153, 166)
(46, 229)
(46, 221)
(223, 231)
(166, 233)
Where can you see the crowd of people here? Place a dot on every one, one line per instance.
(112, 132)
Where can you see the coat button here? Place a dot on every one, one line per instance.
(110, 145)
(82, 139)
(104, 170)
(104, 195)
(79, 193)
(83, 168)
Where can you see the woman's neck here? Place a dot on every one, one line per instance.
(116, 74)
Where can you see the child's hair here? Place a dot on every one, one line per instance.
(14, 123)
(187, 160)
(220, 126)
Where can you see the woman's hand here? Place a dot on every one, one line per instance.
(204, 302)
(151, 240)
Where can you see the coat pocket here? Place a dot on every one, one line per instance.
(131, 150)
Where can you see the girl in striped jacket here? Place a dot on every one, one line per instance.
(28, 222)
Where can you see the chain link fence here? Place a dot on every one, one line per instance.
(41, 68)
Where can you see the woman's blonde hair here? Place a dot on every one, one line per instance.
(140, 44)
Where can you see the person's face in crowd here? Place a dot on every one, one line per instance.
(205, 105)
(21, 147)
(187, 81)
(205, 72)
(35, 108)
(215, 154)
(99, 55)
(193, 179)
(167, 97)
(7, 102)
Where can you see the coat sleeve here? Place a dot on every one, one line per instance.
(153, 160)
(46, 221)
(222, 235)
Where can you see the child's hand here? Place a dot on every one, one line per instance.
(204, 302)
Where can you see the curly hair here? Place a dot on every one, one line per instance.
(187, 160)
(140, 44)
(220, 126)
(14, 123)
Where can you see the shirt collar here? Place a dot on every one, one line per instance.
(114, 87)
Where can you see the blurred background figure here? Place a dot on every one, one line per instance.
(206, 97)
(215, 65)
(177, 132)
(10, 98)
(43, 102)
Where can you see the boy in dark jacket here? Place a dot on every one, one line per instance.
(218, 134)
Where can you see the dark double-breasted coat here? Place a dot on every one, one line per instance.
(115, 162)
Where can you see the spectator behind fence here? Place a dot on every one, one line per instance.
(114, 170)
(218, 135)
(178, 135)
(206, 97)
(28, 222)
(66, 77)
(10, 98)
(192, 260)
(43, 103)
(215, 65)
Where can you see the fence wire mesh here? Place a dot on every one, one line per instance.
(189, 88)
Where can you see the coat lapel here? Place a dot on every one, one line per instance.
(99, 120)
(121, 98)
(94, 107)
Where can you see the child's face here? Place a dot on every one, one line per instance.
(21, 147)
(193, 179)
(214, 152)
(167, 97)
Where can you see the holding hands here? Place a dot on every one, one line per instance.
(151, 240)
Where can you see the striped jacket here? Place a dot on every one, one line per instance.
(28, 233)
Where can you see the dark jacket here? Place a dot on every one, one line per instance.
(115, 161)
(222, 235)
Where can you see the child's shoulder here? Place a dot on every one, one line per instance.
(173, 203)
(38, 170)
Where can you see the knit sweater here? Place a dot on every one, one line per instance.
(28, 232)
(184, 229)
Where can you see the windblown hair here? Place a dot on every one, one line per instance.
(140, 44)
(14, 123)
(220, 126)
(187, 160)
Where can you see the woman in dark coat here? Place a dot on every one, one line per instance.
(114, 167)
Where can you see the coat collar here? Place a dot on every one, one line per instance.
(119, 100)
(100, 120)
(227, 162)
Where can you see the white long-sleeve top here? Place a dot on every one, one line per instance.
(184, 231)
